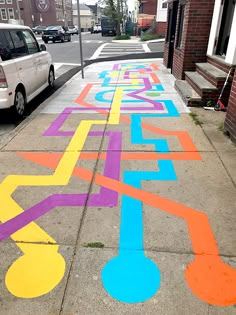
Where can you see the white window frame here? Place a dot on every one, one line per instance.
(2, 2)
(9, 14)
(1, 10)
(9, 1)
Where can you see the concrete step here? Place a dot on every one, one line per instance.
(187, 93)
(213, 71)
(200, 82)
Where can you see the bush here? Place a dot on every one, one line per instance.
(150, 37)
(123, 36)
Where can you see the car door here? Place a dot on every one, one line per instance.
(40, 59)
(23, 60)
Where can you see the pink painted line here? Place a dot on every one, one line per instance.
(105, 198)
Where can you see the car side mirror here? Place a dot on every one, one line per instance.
(43, 47)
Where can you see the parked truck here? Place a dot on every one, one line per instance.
(108, 26)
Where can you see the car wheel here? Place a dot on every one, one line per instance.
(51, 79)
(102, 34)
(69, 39)
(62, 39)
(45, 41)
(19, 103)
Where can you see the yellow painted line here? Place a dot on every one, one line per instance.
(41, 267)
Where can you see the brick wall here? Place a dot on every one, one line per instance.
(195, 35)
(149, 7)
(230, 120)
(161, 28)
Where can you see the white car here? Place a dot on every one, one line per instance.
(26, 69)
(97, 28)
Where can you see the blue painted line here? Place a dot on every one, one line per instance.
(155, 87)
(131, 277)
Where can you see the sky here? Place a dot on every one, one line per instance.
(129, 2)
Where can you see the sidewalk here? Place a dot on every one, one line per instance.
(114, 202)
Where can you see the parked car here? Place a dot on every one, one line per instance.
(56, 33)
(39, 29)
(26, 68)
(96, 28)
(73, 30)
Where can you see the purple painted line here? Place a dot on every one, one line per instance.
(105, 198)
(53, 130)
(147, 86)
(116, 66)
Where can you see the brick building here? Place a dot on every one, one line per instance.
(36, 12)
(200, 50)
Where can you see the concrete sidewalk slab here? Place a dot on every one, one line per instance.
(115, 161)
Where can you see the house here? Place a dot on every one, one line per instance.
(97, 13)
(161, 17)
(86, 16)
(39, 12)
(200, 50)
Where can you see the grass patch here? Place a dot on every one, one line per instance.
(122, 37)
(94, 245)
(150, 37)
(195, 118)
(220, 126)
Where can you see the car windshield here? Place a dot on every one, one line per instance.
(54, 28)
(71, 27)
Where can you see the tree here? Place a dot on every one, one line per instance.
(115, 9)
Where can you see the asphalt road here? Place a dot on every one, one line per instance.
(69, 52)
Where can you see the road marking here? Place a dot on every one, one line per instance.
(98, 51)
(146, 48)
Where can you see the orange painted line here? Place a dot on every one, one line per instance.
(183, 136)
(203, 242)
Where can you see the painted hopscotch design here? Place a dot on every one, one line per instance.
(129, 277)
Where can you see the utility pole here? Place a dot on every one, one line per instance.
(80, 40)
(18, 10)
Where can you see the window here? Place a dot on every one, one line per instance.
(19, 47)
(164, 5)
(9, 1)
(30, 42)
(180, 28)
(3, 14)
(2, 1)
(11, 14)
(5, 50)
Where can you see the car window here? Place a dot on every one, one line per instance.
(30, 42)
(19, 47)
(5, 50)
(54, 28)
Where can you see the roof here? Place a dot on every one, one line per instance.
(7, 26)
(82, 6)
(93, 7)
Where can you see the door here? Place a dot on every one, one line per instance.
(225, 27)
(40, 60)
(23, 60)
(172, 19)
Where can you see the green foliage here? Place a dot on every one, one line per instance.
(122, 36)
(196, 119)
(150, 37)
(94, 245)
